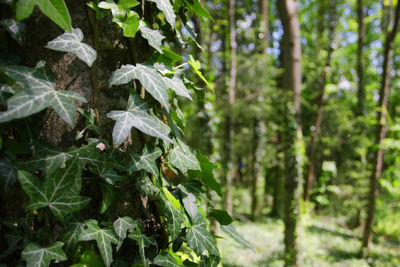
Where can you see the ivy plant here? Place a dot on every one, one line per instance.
(110, 198)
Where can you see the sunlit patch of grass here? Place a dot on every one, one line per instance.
(323, 243)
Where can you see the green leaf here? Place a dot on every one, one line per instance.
(165, 259)
(103, 237)
(71, 235)
(72, 42)
(12, 244)
(122, 226)
(38, 94)
(143, 242)
(154, 37)
(189, 202)
(56, 10)
(59, 191)
(37, 256)
(166, 7)
(200, 239)
(174, 216)
(130, 25)
(221, 216)
(195, 64)
(15, 28)
(146, 161)
(206, 173)
(50, 158)
(231, 231)
(182, 158)
(210, 261)
(148, 76)
(176, 83)
(136, 116)
(172, 199)
(8, 172)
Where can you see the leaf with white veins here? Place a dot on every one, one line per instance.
(39, 93)
(152, 81)
(200, 239)
(154, 37)
(182, 158)
(122, 226)
(103, 237)
(146, 161)
(37, 256)
(136, 116)
(166, 7)
(72, 42)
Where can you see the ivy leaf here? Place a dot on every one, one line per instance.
(71, 235)
(38, 94)
(231, 231)
(12, 244)
(136, 116)
(152, 81)
(174, 215)
(182, 158)
(221, 216)
(189, 202)
(15, 28)
(154, 37)
(166, 7)
(210, 261)
(122, 226)
(206, 173)
(200, 239)
(103, 237)
(165, 259)
(59, 191)
(37, 256)
(195, 64)
(146, 161)
(56, 10)
(72, 42)
(8, 172)
(175, 83)
(143, 242)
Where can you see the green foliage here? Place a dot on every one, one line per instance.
(88, 202)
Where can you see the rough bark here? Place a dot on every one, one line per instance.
(292, 133)
(320, 102)
(380, 131)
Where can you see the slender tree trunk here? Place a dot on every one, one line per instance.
(380, 131)
(320, 102)
(232, 91)
(292, 133)
(265, 22)
(360, 61)
(254, 170)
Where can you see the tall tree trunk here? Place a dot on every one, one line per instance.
(254, 169)
(232, 91)
(360, 61)
(265, 22)
(320, 101)
(380, 130)
(292, 133)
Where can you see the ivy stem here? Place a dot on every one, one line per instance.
(93, 69)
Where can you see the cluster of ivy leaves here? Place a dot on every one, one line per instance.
(53, 179)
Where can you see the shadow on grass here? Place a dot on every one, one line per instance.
(321, 230)
(271, 258)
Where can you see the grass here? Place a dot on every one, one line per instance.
(323, 243)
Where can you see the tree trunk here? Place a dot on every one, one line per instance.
(254, 170)
(360, 61)
(320, 101)
(292, 133)
(232, 91)
(265, 22)
(380, 131)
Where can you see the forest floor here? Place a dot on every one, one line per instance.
(323, 243)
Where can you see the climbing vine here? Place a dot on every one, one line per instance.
(110, 198)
